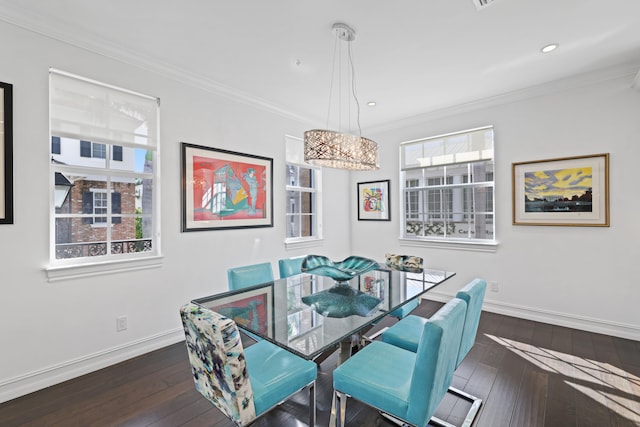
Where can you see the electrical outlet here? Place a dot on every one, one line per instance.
(494, 286)
(121, 323)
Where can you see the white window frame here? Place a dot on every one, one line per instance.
(99, 150)
(100, 220)
(430, 176)
(295, 157)
(71, 125)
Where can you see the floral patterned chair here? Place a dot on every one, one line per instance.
(242, 383)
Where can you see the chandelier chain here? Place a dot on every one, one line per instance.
(336, 149)
(353, 90)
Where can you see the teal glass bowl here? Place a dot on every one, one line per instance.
(342, 271)
(342, 301)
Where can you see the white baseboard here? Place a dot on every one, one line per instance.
(37, 380)
(599, 326)
(42, 378)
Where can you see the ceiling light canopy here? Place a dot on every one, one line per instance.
(337, 149)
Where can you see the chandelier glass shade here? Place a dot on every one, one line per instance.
(336, 149)
(340, 150)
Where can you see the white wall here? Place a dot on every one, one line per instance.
(53, 331)
(584, 277)
(50, 332)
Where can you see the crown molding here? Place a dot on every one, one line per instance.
(636, 82)
(554, 86)
(18, 16)
(39, 24)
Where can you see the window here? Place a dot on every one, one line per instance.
(55, 145)
(448, 187)
(104, 156)
(117, 153)
(303, 195)
(94, 149)
(94, 204)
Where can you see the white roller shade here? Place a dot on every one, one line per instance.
(460, 147)
(89, 110)
(294, 150)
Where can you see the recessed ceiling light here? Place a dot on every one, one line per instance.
(549, 48)
(371, 103)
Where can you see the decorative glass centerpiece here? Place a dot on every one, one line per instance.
(341, 300)
(342, 271)
(412, 264)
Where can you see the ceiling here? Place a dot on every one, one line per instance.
(411, 56)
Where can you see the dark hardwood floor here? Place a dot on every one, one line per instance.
(528, 374)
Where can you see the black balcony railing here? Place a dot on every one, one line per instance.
(89, 249)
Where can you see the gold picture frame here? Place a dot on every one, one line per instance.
(567, 191)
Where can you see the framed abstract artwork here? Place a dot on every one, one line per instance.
(373, 201)
(570, 191)
(224, 189)
(6, 153)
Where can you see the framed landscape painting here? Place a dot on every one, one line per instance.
(6, 153)
(224, 189)
(373, 201)
(571, 191)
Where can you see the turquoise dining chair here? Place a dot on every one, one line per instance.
(290, 266)
(243, 383)
(405, 386)
(406, 334)
(249, 275)
(402, 263)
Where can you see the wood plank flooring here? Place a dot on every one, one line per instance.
(527, 373)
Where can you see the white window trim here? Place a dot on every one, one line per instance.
(302, 242)
(77, 271)
(484, 245)
(296, 159)
(421, 242)
(107, 216)
(65, 269)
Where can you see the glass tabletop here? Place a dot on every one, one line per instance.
(309, 314)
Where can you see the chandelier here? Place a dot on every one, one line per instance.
(336, 149)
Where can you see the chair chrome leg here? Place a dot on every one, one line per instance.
(441, 423)
(366, 339)
(312, 404)
(471, 415)
(338, 409)
(475, 405)
(394, 419)
(332, 417)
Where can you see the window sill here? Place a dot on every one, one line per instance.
(66, 272)
(490, 246)
(303, 243)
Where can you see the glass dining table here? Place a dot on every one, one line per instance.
(311, 315)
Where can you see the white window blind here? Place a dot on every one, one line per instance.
(90, 110)
(459, 147)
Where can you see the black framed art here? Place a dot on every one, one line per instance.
(374, 201)
(6, 153)
(224, 189)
